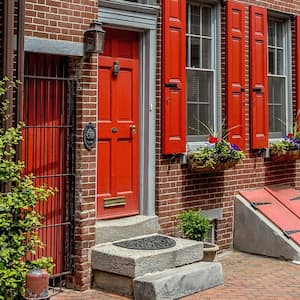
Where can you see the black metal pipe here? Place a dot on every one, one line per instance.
(8, 51)
(20, 67)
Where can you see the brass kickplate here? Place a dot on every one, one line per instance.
(117, 201)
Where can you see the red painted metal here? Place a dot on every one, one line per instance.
(117, 156)
(174, 98)
(258, 78)
(275, 211)
(236, 81)
(44, 147)
(287, 196)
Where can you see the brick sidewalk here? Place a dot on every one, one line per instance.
(246, 277)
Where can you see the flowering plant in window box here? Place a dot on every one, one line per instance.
(288, 149)
(216, 154)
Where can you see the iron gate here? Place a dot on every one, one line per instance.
(48, 150)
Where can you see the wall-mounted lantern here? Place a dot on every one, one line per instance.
(94, 38)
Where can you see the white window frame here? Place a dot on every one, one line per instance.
(194, 141)
(287, 70)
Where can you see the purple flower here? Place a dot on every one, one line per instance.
(235, 147)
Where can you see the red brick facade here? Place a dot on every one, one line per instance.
(59, 20)
(177, 188)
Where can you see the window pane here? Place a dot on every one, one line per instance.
(188, 54)
(279, 62)
(206, 21)
(205, 117)
(199, 90)
(271, 33)
(195, 51)
(206, 53)
(271, 55)
(195, 19)
(279, 34)
(192, 86)
(277, 106)
(193, 123)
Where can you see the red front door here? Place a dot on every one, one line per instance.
(117, 149)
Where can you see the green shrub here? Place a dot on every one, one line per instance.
(194, 225)
(19, 221)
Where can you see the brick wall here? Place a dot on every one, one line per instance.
(85, 170)
(178, 189)
(59, 20)
(67, 20)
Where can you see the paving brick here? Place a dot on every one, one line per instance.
(246, 277)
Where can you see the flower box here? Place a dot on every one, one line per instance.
(197, 166)
(215, 155)
(287, 149)
(290, 155)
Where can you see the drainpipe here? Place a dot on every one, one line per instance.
(8, 51)
(20, 67)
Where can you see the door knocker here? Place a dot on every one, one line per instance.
(116, 68)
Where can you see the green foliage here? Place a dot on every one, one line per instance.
(19, 222)
(288, 143)
(194, 225)
(215, 152)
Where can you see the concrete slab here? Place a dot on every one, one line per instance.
(133, 263)
(178, 282)
(125, 228)
(113, 283)
(254, 233)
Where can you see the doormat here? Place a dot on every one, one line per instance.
(156, 242)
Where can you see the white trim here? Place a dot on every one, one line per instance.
(287, 73)
(144, 23)
(216, 69)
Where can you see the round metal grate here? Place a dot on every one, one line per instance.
(149, 243)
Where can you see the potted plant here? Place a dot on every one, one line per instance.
(216, 154)
(195, 226)
(287, 149)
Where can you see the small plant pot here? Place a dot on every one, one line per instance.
(209, 251)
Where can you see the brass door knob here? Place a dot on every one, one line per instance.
(132, 129)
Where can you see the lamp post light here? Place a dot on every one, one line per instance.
(94, 38)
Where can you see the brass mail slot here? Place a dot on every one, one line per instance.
(117, 201)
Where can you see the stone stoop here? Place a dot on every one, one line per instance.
(125, 228)
(154, 274)
(178, 282)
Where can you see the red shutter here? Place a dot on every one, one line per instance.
(173, 84)
(298, 65)
(236, 73)
(258, 78)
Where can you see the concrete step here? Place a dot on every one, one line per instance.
(178, 282)
(125, 228)
(132, 263)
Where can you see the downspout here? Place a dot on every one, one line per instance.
(8, 52)
(20, 67)
(20, 55)
(8, 61)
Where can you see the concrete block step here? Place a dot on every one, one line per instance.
(178, 282)
(133, 263)
(125, 228)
